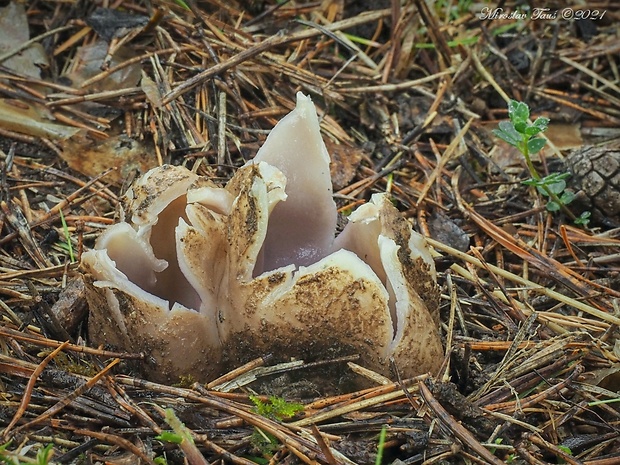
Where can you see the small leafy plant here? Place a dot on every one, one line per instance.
(523, 135)
(276, 408)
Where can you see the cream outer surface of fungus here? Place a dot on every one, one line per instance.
(203, 278)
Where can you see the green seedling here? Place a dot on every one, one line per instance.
(566, 450)
(461, 8)
(381, 445)
(65, 230)
(497, 441)
(182, 436)
(606, 401)
(44, 455)
(555, 183)
(267, 445)
(182, 4)
(13, 458)
(276, 408)
(525, 136)
(170, 437)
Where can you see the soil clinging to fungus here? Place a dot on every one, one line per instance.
(204, 278)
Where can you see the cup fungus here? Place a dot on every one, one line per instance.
(203, 278)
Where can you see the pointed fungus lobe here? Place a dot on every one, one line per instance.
(301, 230)
(204, 278)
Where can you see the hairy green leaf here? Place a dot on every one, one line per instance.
(584, 218)
(518, 111)
(557, 187)
(534, 145)
(532, 131)
(567, 197)
(520, 127)
(541, 123)
(508, 133)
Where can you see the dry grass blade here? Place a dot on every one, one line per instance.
(301, 448)
(589, 72)
(450, 153)
(331, 460)
(49, 272)
(42, 341)
(266, 45)
(526, 283)
(117, 441)
(556, 270)
(69, 398)
(28, 391)
(367, 399)
(259, 362)
(400, 86)
(455, 427)
(14, 215)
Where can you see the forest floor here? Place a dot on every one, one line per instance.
(95, 93)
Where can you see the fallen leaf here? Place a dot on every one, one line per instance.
(13, 33)
(125, 155)
(109, 23)
(34, 120)
(89, 61)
